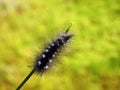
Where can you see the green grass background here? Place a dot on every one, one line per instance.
(90, 62)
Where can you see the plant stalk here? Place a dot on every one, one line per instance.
(25, 80)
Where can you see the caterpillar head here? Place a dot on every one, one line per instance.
(66, 36)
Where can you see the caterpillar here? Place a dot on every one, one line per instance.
(44, 60)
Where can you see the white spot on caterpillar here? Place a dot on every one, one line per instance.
(53, 44)
(43, 56)
(46, 67)
(50, 60)
(39, 62)
(46, 50)
(53, 55)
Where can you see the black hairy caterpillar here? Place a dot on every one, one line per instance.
(44, 60)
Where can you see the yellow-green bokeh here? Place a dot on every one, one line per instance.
(91, 60)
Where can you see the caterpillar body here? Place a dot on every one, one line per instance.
(44, 60)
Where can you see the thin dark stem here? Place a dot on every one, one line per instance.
(68, 27)
(25, 80)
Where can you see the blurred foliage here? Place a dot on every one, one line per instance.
(92, 59)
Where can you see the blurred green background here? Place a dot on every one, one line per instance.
(90, 62)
